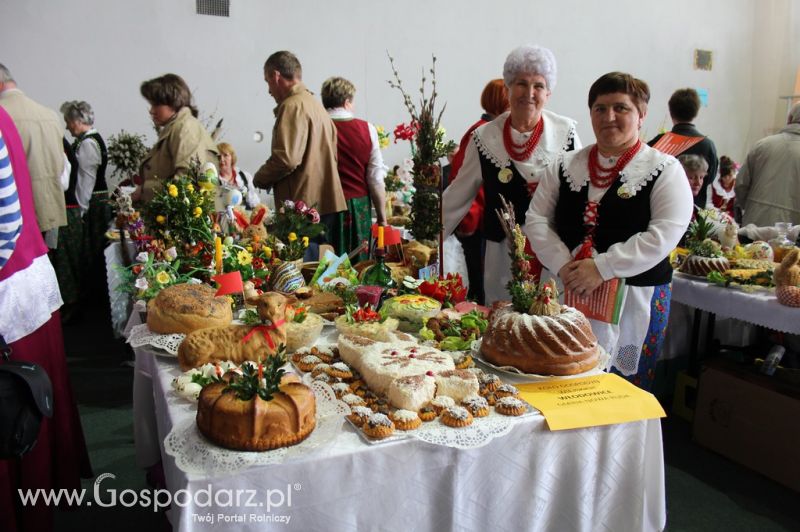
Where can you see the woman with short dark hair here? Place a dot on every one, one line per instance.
(616, 209)
(181, 136)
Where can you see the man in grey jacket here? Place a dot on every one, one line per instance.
(768, 184)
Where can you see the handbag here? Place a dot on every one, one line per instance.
(26, 394)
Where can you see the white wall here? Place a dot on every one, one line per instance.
(101, 50)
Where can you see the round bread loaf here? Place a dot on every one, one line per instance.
(183, 308)
(563, 344)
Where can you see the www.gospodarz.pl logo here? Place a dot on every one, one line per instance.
(158, 499)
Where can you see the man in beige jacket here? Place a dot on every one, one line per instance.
(302, 165)
(41, 131)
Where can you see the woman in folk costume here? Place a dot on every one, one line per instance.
(722, 193)
(361, 168)
(615, 210)
(30, 323)
(508, 157)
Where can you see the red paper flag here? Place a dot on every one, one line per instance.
(229, 283)
(391, 236)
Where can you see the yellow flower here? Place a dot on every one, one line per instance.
(162, 277)
(292, 237)
(173, 191)
(197, 212)
(244, 257)
(268, 252)
(190, 187)
(160, 219)
(305, 241)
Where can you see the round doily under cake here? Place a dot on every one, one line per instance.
(141, 335)
(194, 454)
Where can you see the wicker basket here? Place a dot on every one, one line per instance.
(788, 295)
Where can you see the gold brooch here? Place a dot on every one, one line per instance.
(624, 193)
(505, 175)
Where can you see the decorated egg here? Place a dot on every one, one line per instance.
(759, 250)
(287, 278)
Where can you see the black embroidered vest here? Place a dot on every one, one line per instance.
(618, 220)
(515, 191)
(100, 181)
(69, 194)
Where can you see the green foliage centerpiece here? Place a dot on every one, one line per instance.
(429, 146)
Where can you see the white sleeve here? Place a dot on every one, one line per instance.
(63, 179)
(89, 160)
(671, 205)
(376, 169)
(539, 229)
(458, 196)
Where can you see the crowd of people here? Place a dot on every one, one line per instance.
(613, 209)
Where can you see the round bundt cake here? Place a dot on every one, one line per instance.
(254, 424)
(561, 344)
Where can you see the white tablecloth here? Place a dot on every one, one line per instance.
(606, 478)
(759, 307)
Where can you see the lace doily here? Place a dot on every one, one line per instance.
(141, 335)
(196, 455)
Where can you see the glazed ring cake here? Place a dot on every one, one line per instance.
(183, 308)
(563, 344)
(256, 425)
(702, 266)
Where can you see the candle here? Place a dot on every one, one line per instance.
(380, 236)
(217, 370)
(260, 373)
(218, 253)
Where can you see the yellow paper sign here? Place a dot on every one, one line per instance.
(590, 401)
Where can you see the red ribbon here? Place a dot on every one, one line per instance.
(264, 329)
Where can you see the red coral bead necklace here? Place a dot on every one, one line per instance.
(602, 177)
(521, 152)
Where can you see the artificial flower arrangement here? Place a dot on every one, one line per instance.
(147, 276)
(180, 211)
(448, 290)
(126, 151)
(428, 146)
(295, 217)
(383, 137)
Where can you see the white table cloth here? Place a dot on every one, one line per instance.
(605, 478)
(759, 307)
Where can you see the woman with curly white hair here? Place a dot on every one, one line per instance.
(508, 156)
